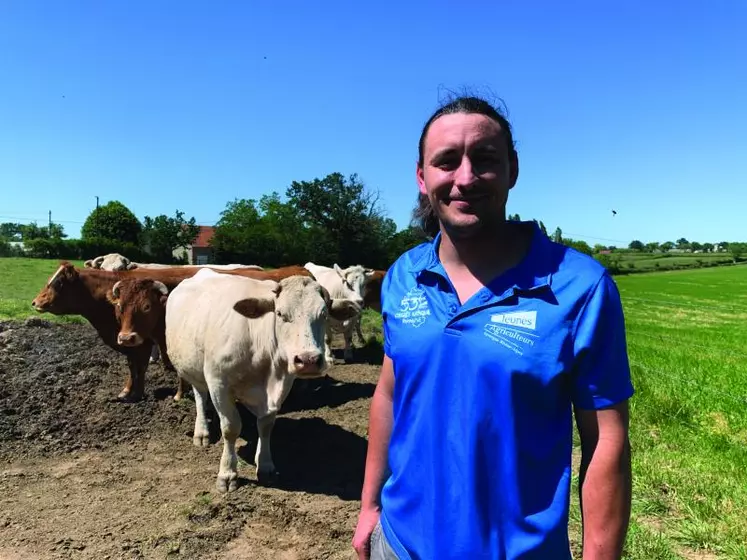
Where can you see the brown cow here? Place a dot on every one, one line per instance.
(371, 298)
(88, 292)
(146, 314)
(85, 292)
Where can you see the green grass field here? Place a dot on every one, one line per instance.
(20, 280)
(688, 417)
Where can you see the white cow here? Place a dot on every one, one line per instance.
(238, 338)
(111, 261)
(347, 283)
(115, 261)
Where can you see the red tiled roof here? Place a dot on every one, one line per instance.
(203, 238)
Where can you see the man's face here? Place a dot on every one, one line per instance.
(467, 172)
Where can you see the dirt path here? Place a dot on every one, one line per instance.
(82, 476)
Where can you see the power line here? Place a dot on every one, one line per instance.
(35, 219)
(595, 238)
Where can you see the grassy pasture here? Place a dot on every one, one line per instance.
(20, 280)
(688, 418)
(686, 332)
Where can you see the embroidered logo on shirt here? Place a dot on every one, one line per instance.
(526, 319)
(512, 330)
(413, 308)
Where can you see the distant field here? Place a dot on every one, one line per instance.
(686, 334)
(635, 262)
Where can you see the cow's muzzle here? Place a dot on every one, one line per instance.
(308, 364)
(129, 339)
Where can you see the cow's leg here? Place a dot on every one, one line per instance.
(137, 362)
(328, 355)
(154, 354)
(124, 394)
(201, 435)
(181, 384)
(347, 333)
(230, 426)
(266, 473)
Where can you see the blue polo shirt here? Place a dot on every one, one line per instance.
(480, 450)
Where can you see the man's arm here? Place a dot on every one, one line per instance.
(379, 432)
(604, 480)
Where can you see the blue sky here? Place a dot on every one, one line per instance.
(635, 106)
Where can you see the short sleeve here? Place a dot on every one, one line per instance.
(601, 373)
(385, 289)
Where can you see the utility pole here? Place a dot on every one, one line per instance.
(96, 221)
(50, 222)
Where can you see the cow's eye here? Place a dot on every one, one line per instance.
(146, 307)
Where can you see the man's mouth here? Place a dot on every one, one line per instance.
(462, 200)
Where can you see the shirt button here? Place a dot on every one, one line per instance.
(452, 308)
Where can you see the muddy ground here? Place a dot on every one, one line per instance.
(84, 476)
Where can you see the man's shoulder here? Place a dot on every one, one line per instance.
(409, 261)
(576, 267)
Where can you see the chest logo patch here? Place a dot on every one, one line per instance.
(514, 330)
(413, 309)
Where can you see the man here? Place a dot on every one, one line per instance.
(494, 337)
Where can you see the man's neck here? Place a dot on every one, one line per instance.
(490, 251)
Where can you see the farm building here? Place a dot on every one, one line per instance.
(200, 251)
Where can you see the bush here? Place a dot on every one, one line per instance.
(74, 249)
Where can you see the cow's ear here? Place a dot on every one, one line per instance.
(254, 307)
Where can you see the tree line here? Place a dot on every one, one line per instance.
(330, 219)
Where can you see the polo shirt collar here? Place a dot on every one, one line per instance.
(531, 274)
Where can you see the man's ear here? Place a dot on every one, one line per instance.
(514, 169)
(420, 178)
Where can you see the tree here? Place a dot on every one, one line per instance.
(708, 247)
(541, 226)
(579, 245)
(667, 246)
(737, 250)
(635, 245)
(112, 221)
(287, 241)
(652, 246)
(10, 231)
(162, 235)
(54, 231)
(683, 244)
(405, 239)
(558, 235)
(695, 246)
(235, 238)
(345, 218)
